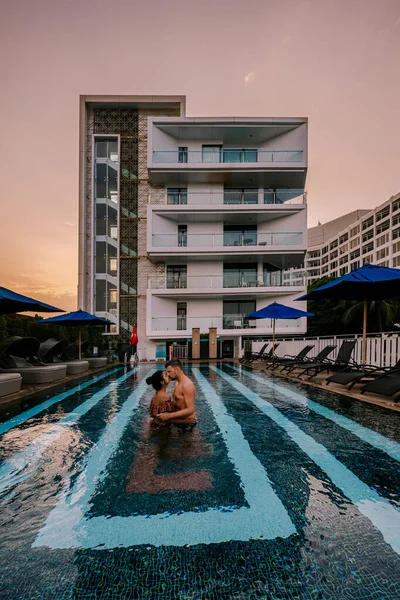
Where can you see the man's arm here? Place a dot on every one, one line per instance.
(189, 394)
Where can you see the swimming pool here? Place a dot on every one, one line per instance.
(281, 492)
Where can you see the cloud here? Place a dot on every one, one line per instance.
(249, 78)
(69, 224)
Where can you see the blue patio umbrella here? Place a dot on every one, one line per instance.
(78, 318)
(11, 302)
(276, 311)
(369, 282)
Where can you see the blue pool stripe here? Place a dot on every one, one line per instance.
(382, 514)
(373, 438)
(22, 464)
(35, 410)
(264, 518)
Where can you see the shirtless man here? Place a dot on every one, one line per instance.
(184, 396)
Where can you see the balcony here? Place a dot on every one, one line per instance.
(184, 197)
(226, 156)
(226, 325)
(276, 283)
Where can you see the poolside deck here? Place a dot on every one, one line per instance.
(27, 391)
(319, 382)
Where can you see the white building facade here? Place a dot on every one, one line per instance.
(189, 222)
(362, 236)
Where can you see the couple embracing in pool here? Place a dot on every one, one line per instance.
(176, 410)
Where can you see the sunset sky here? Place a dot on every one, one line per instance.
(333, 61)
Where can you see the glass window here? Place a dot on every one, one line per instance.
(240, 235)
(211, 154)
(101, 292)
(181, 312)
(112, 265)
(101, 176)
(176, 276)
(101, 218)
(183, 154)
(234, 313)
(182, 236)
(240, 275)
(177, 196)
(112, 291)
(101, 257)
(240, 196)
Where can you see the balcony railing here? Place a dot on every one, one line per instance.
(227, 280)
(225, 322)
(284, 196)
(227, 239)
(227, 156)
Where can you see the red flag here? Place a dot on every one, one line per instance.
(134, 340)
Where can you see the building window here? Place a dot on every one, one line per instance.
(182, 154)
(354, 243)
(382, 214)
(367, 223)
(354, 254)
(354, 265)
(368, 248)
(395, 220)
(367, 260)
(382, 253)
(176, 276)
(396, 205)
(112, 265)
(367, 236)
(234, 313)
(239, 155)
(181, 311)
(177, 196)
(344, 249)
(396, 247)
(384, 239)
(240, 196)
(354, 230)
(343, 260)
(240, 235)
(396, 234)
(382, 227)
(343, 238)
(240, 275)
(182, 236)
(396, 261)
(211, 154)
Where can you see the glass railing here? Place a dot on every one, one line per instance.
(227, 239)
(221, 322)
(227, 280)
(227, 156)
(230, 197)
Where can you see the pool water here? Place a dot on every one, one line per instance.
(281, 492)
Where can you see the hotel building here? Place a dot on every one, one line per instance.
(357, 238)
(189, 222)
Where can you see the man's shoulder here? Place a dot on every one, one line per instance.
(187, 383)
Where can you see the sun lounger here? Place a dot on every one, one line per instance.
(386, 385)
(31, 374)
(358, 374)
(51, 352)
(97, 362)
(290, 360)
(10, 383)
(321, 356)
(255, 356)
(342, 360)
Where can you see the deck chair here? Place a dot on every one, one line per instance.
(321, 356)
(290, 360)
(351, 376)
(254, 356)
(385, 385)
(270, 356)
(342, 360)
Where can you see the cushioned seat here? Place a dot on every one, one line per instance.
(10, 383)
(97, 362)
(38, 375)
(77, 366)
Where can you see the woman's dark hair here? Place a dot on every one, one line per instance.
(156, 380)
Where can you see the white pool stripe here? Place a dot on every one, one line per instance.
(35, 410)
(391, 447)
(265, 518)
(382, 514)
(22, 464)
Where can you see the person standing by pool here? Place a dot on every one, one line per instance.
(184, 396)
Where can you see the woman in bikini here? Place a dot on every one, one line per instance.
(161, 401)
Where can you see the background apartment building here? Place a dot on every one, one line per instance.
(357, 238)
(189, 222)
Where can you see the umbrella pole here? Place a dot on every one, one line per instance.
(79, 342)
(273, 337)
(364, 340)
